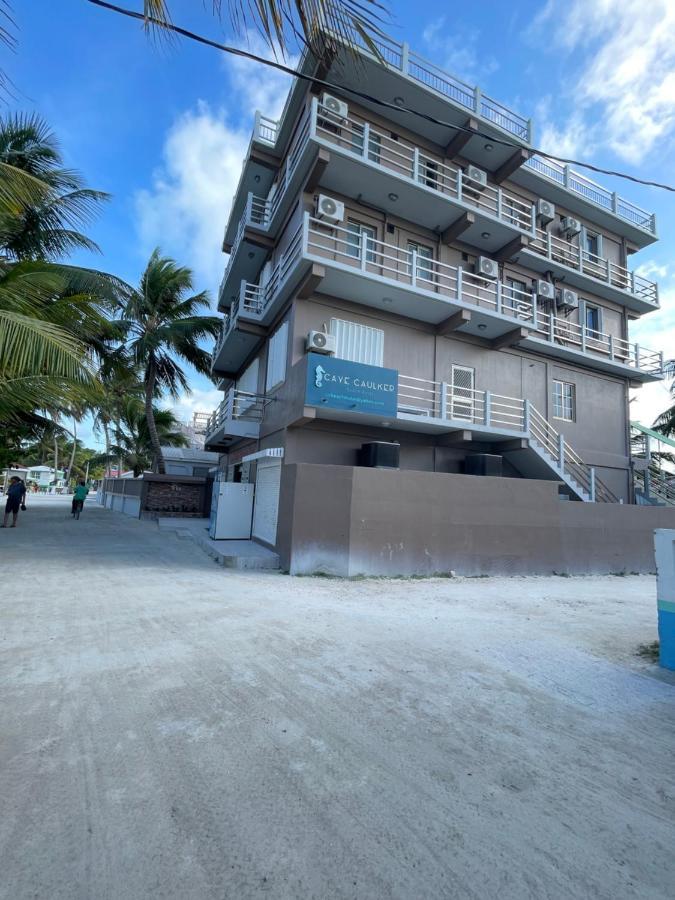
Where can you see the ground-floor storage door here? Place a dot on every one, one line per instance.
(266, 506)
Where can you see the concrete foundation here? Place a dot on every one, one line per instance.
(347, 521)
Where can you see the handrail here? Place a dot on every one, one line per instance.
(427, 275)
(421, 397)
(236, 404)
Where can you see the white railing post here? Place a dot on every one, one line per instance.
(416, 164)
(498, 298)
(488, 408)
(256, 123)
(305, 233)
(610, 345)
(366, 141)
(364, 250)
(413, 263)
(526, 416)
(313, 116)
(551, 327)
(405, 57)
(566, 176)
(477, 98)
(592, 483)
(459, 282)
(249, 208)
(499, 204)
(444, 400)
(615, 201)
(561, 452)
(637, 356)
(534, 309)
(459, 184)
(533, 220)
(583, 337)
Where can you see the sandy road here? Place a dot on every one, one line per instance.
(173, 730)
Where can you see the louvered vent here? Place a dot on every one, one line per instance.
(358, 343)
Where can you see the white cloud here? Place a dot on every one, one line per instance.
(185, 209)
(625, 85)
(459, 50)
(653, 270)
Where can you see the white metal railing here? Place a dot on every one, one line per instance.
(594, 193)
(449, 402)
(236, 405)
(404, 159)
(656, 486)
(429, 276)
(265, 130)
(561, 251)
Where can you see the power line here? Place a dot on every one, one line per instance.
(235, 51)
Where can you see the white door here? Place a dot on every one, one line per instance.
(462, 393)
(266, 506)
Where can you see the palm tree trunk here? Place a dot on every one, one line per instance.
(56, 459)
(106, 432)
(150, 419)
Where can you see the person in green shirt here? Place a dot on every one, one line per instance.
(79, 496)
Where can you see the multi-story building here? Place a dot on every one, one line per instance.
(425, 280)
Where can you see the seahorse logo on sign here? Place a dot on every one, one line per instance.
(319, 372)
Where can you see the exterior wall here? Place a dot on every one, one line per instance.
(352, 521)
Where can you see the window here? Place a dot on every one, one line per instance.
(425, 259)
(374, 142)
(429, 173)
(564, 401)
(361, 236)
(516, 293)
(276, 358)
(247, 383)
(591, 242)
(358, 343)
(592, 317)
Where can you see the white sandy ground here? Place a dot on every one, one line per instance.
(171, 729)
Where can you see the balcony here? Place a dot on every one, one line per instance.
(363, 270)
(238, 416)
(367, 162)
(423, 86)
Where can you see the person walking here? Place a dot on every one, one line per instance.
(16, 496)
(79, 496)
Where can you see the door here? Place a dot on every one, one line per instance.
(463, 381)
(266, 507)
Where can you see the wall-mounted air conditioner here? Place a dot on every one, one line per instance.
(334, 108)
(329, 210)
(477, 178)
(570, 226)
(545, 211)
(545, 290)
(320, 342)
(568, 299)
(488, 268)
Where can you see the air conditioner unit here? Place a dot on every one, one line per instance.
(477, 177)
(570, 226)
(546, 290)
(545, 211)
(568, 299)
(333, 108)
(488, 268)
(320, 342)
(329, 210)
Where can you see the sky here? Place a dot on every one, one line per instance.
(163, 126)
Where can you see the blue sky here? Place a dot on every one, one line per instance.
(163, 127)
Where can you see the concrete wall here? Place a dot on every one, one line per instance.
(349, 521)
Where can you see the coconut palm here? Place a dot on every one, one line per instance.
(164, 328)
(281, 22)
(133, 444)
(43, 226)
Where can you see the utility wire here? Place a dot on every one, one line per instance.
(235, 51)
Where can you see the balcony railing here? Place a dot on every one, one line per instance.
(597, 267)
(431, 277)
(359, 138)
(469, 407)
(236, 405)
(593, 192)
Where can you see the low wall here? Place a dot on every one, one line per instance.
(157, 496)
(346, 520)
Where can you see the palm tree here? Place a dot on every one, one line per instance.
(352, 21)
(133, 444)
(43, 227)
(120, 381)
(164, 325)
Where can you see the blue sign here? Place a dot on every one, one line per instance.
(340, 384)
